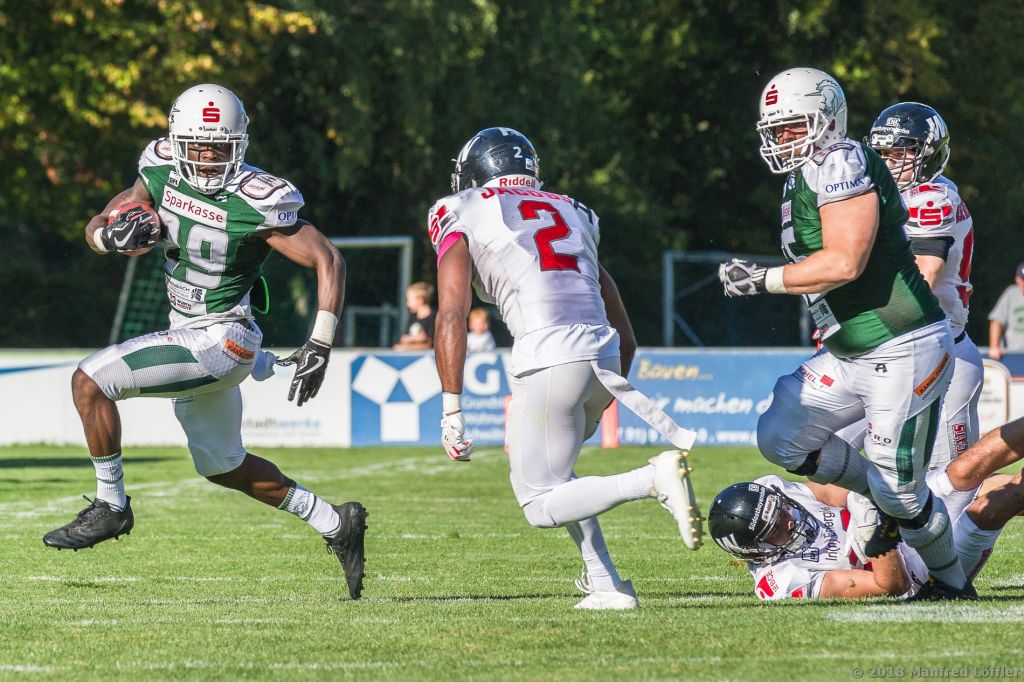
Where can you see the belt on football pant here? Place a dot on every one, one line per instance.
(644, 407)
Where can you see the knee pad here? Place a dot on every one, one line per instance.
(537, 515)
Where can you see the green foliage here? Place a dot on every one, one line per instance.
(644, 110)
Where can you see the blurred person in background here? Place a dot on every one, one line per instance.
(1006, 321)
(479, 338)
(419, 335)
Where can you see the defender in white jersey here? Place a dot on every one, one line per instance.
(222, 219)
(914, 141)
(805, 541)
(534, 254)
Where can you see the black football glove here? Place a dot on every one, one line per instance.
(133, 229)
(742, 278)
(310, 367)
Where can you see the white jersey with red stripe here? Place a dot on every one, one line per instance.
(802, 576)
(936, 212)
(535, 256)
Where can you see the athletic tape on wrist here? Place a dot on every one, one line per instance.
(451, 402)
(324, 327)
(773, 280)
(97, 240)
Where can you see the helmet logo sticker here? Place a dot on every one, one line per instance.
(769, 509)
(211, 114)
(828, 90)
(893, 121)
(772, 96)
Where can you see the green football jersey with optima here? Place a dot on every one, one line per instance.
(890, 298)
(214, 248)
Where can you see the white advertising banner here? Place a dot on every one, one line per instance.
(36, 407)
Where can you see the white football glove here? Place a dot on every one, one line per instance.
(865, 517)
(742, 278)
(453, 437)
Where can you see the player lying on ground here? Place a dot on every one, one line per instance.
(222, 217)
(805, 540)
(534, 253)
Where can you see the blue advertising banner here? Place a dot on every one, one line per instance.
(396, 397)
(717, 393)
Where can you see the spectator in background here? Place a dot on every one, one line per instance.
(479, 338)
(1006, 321)
(419, 335)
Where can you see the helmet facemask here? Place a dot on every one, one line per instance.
(208, 176)
(786, 157)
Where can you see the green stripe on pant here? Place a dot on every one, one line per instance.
(926, 421)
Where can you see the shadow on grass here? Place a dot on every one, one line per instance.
(68, 462)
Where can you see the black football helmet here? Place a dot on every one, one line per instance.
(910, 125)
(760, 524)
(491, 153)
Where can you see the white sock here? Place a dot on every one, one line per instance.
(584, 498)
(588, 538)
(973, 544)
(955, 500)
(110, 481)
(934, 542)
(312, 510)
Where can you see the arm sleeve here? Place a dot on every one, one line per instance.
(285, 212)
(931, 246)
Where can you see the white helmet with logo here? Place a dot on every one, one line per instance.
(800, 96)
(203, 115)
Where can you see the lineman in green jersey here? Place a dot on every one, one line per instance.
(222, 218)
(888, 349)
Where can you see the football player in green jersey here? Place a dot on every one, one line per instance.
(221, 218)
(887, 349)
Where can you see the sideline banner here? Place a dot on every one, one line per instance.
(394, 398)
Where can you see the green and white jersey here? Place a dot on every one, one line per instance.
(890, 298)
(213, 247)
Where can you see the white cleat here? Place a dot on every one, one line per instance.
(673, 490)
(621, 598)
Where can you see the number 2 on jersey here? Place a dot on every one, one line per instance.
(549, 258)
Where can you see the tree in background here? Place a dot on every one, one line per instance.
(645, 110)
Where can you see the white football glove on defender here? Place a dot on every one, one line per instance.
(453, 437)
(742, 278)
(865, 517)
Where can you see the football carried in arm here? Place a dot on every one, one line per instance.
(146, 219)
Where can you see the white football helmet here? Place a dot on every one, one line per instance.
(797, 96)
(202, 115)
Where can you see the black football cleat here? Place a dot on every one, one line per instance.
(885, 537)
(347, 544)
(936, 590)
(93, 525)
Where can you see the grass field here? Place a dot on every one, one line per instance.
(211, 585)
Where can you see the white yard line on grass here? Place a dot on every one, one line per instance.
(927, 613)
